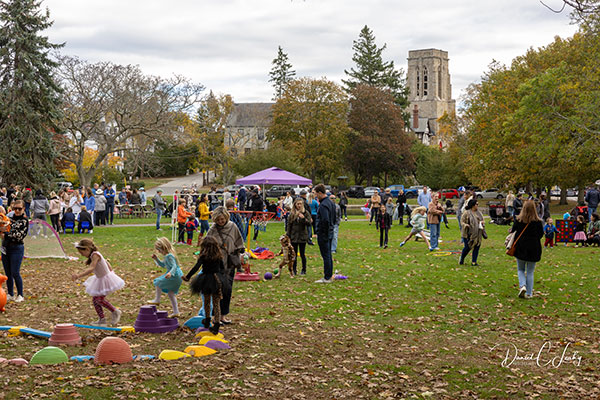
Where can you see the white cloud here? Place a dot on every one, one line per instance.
(228, 45)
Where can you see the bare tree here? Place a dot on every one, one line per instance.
(109, 106)
(582, 10)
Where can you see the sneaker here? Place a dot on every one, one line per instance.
(323, 280)
(302, 272)
(528, 296)
(437, 249)
(92, 231)
(402, 244)
(19, 299)
(9, 298)
(385, 247)
(174, 315)
(522, 292)
(153, 302)
(100, 322)
(116, 316)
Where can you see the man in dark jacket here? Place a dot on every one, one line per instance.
(592, 198)
(242, 199)
(325, 225)
(109, 194)
(255, 204)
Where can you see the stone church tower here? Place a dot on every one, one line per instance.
(428, 79)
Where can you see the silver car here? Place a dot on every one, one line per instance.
(370, 191)
(490, 194)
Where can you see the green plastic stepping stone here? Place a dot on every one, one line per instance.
(49, 355)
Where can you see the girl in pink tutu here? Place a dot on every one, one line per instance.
(103, 281)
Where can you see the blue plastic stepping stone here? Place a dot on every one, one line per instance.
(144, 357)
(82, 358)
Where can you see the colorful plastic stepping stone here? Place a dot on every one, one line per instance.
(217, 345)
(113, 350)
(18, 361)
(82, 358)
(64, 334)
(209, 334)
(207, 338)
(49, 355)
(199, 351)
(143, 357)
(172, 355)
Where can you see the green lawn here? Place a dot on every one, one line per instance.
(406, 324)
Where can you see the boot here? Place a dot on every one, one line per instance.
(215, 328)
(206, 323)
(189, 242)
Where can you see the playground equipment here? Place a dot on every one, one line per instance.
(113, 350)
(65, 334)
(217, 345)
(49, 355)
(152, 321)
(268, 276)
(199, 351)
(2, 292)
(259, 221)
(206, 339)
(172, 355)
(107, 328)
(43, 241)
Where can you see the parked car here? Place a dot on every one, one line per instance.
(279, 190)
(413, 192)
(356, 191)
(490, 194)
(395, 189)
(370, 190)
(450, 194)
(64, 185)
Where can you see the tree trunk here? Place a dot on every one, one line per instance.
(370, 180)
(563, 196)
(385, 178)
(580, 194)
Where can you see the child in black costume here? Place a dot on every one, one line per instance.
(211, 283)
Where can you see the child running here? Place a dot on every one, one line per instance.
(103, 281)
(549, 231)
(171, 280)
(580, 237)
(418, 221)
(211, 282)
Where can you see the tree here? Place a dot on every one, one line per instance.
(372, 70)
(112, 105)
(379, 143)
(437, 168)
(275, 156)
(310, 119)
(29, 95)
(281, 73)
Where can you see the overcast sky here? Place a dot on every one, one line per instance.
(228, 45)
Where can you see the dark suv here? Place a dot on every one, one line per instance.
(356, 191)
(279, 190)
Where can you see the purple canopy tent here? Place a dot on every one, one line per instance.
(273, 176)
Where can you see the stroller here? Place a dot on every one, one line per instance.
(498, 213)
(450, 207)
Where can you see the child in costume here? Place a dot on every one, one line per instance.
(211, 282)
(549, 231)
(190, 226)
(289, 256)
(103, 281)
(580, 237)
(170, 281)
(418, 221)
(182, 216)
(203, 215)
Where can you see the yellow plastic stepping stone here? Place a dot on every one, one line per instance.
(127, 329)
(199, 351)
(209, 333)
(15, 330)
(207, 338)
(172, 355)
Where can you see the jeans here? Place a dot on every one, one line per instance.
(110, 213)
(336, 229)
(591, 210)
(458, 216)
(325, 249)
(54, 219)
(300, 249)
(28, 209)
(11, 261)
(383, 237)
(374, 215)
(525, 272)
(204, 226)
(466, 251)
(344, 211)
(158, 215)
(434, 235)
(310, 232)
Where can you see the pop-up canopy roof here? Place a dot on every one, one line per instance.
(273, 176)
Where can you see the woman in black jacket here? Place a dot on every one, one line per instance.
(400, 202)
(14, 250)
(528, 249)
(297, 230)
(344, 205)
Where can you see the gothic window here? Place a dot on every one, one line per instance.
(260, 133)
(439, 82)
(418, 83)
(425, 79)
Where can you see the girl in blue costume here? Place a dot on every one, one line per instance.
(171, 280)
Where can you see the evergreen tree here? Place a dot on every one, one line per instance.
(281, 73)
(373, 71)
(29, 96)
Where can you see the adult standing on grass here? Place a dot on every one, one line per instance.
(109, 194)
(460, 205)
(509, 203)
(299, 222)
(424, 197)
(324, 229)
(518, 205)
(90, 202)
(54, 211)
(14, 250)
(472, 231)
(344, 205)
(159, 207)
(230, 241)
(434, 217)
(375, 205)
(303, 194)
(336, 225)
(99, 215)
(546, 204)
(400, 204)
(40, 206)
(241, 198)
(528, 249)
(592, 198)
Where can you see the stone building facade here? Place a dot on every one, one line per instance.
(428, 78)
(247, 127)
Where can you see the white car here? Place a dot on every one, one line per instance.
(370, 191)
(490, 194)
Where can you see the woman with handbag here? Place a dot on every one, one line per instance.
(526, 247)
(231, 243)
(472, 231)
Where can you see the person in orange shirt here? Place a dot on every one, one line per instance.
(182, 216)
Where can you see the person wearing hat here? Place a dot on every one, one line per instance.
(109, 194)
(143, 199)
(100, 210)
(473, 230)
(159, 207)
(40, 205)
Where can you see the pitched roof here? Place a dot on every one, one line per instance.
(251, 115)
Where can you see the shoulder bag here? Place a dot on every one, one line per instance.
(511, 243)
